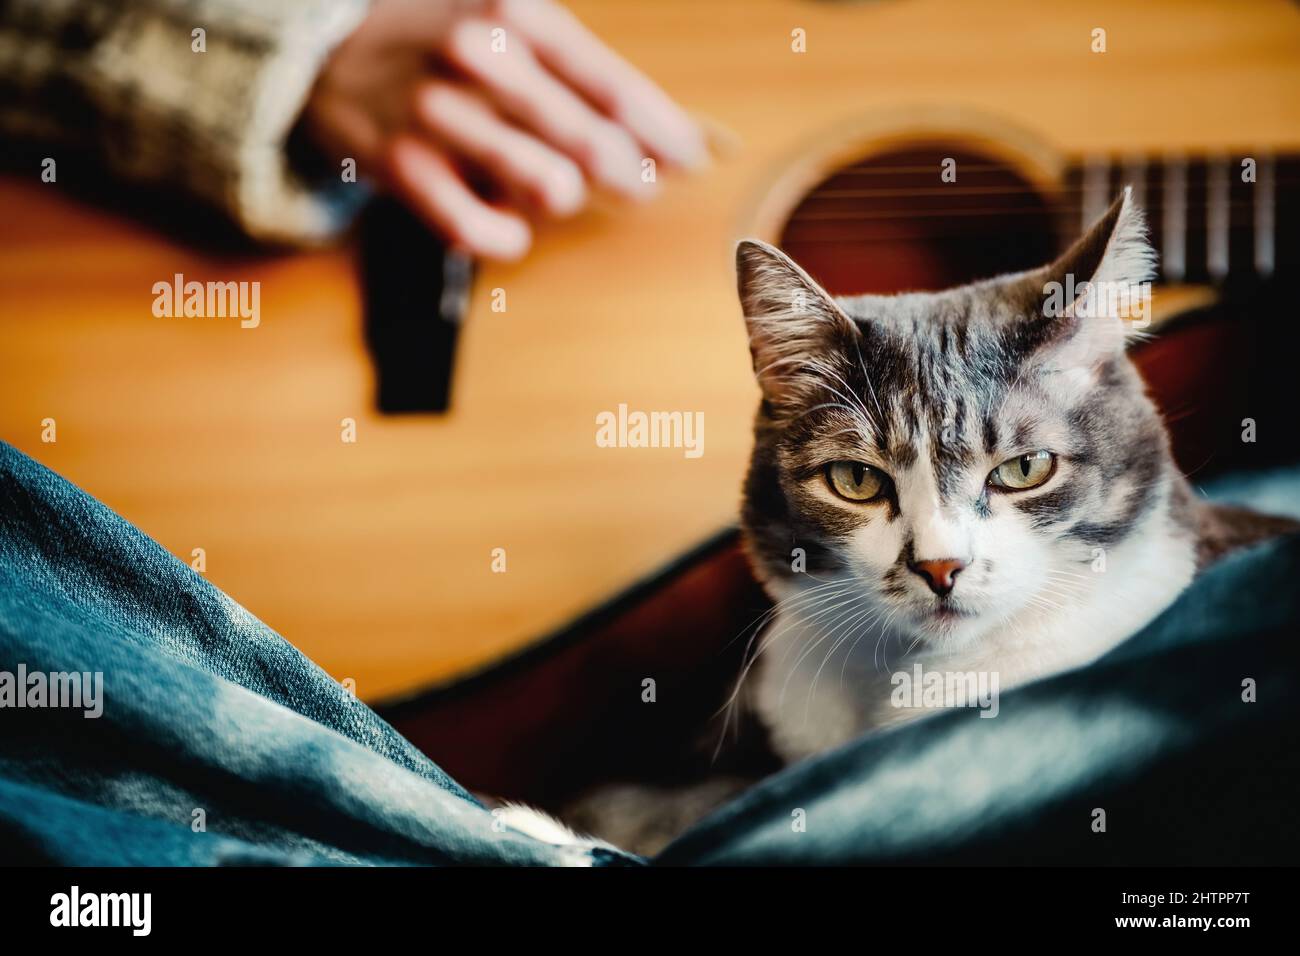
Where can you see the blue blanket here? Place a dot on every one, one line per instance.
(147, 718)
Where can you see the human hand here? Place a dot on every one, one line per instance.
(479, 130)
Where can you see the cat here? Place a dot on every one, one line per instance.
(977, 482)
(972, 482)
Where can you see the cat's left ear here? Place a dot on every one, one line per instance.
(1096, 295)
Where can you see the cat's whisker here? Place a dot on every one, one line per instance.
(859, 625)
(1044, 605)
(1075, 584)
(759, 622)
(825, 604)
(1061, 591)
(810, 596)
(811, 645)
(844, 431)
(844, 608)
(1061, 573)
(828, 627)
(857, 430)
(825, 369)
(865, 630)
(832, 606)
(1064, 590)
(799, 596)
(867, 378)
(913, 645)
(884, 633)
(850, 625)
(1038, 596)
(1076, 588)
(854, 404)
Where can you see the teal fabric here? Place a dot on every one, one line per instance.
(218, 742)
(208, 714)
(1273, 491)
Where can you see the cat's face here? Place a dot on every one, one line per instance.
(954, 457)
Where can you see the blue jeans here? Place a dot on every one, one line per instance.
(199, 736)
(218, 742)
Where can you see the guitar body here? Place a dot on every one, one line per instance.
(376, 556)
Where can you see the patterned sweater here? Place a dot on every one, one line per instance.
(123, 79)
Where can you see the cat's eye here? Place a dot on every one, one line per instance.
(1023, 471)
(855, 481)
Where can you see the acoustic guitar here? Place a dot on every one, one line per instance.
(435, 544)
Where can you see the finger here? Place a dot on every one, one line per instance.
(625, 93)
(431, 185)
(523, 90)
(343, 130)
(515, 160)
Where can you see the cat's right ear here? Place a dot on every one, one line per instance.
(792, 321)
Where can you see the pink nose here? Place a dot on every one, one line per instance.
(940, 575)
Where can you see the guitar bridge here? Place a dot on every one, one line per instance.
(416, 293)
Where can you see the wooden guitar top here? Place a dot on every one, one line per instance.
(376, 556)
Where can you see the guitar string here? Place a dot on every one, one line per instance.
(1148, 165)
(885, 214)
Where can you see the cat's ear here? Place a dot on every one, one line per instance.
(792, 320)
(1097, 294)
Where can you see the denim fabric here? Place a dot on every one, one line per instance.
(205, 709)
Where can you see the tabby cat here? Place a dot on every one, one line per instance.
(973, 481)
(977, 482)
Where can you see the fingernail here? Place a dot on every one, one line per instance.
(509, 240)
(565, 192)
(690, 152)
(629, 173)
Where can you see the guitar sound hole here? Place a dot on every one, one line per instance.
(891, 223)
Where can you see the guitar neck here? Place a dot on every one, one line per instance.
(1223, 220)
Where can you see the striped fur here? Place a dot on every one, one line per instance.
(935, 390)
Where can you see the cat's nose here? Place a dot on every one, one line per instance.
(940, 575)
